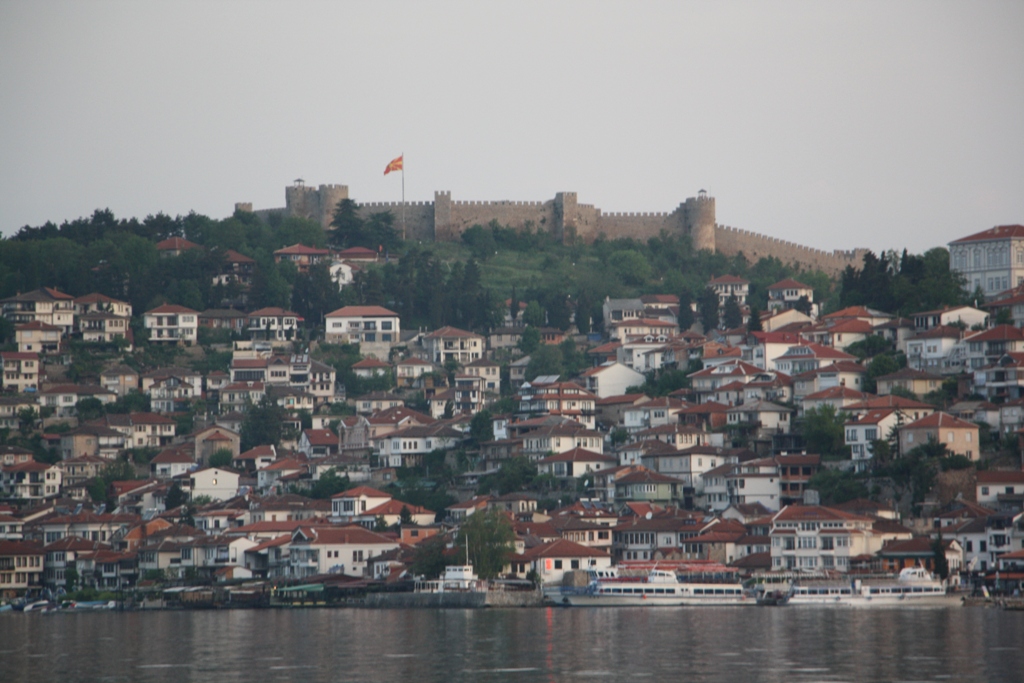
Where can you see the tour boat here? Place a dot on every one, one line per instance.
(456, 579)
(913, 586)
(657, 588)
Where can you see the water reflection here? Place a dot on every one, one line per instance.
(750, 644)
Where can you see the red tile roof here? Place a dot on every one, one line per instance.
(939, 420)
(579, 455)
(789, 283)
(361, 491)
(302, 250)
(361, 312)
(176, 244)
(1000, 232)
(171, 308)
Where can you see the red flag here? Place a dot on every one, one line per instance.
(395, 165)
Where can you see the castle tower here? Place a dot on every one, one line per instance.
(699, 220)
(566, 216)
(442, 215)
(329, 197)
(301, 201)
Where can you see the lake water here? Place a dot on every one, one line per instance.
(790, 645)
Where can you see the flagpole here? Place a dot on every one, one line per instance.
(403, 196)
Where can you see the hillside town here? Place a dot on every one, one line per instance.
(172, 447)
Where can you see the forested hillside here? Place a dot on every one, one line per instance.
(464, 284)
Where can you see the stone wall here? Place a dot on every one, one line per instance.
(445, 220)
(730, 241)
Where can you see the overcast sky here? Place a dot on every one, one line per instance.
(832, 124)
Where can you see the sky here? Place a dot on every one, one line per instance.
(830, 124)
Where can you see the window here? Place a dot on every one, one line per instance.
(558, 564)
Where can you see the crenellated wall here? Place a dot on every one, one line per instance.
(445, 219)
(730, 241)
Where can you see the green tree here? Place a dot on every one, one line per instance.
(489, 537)
(941, 564)
(686, 318)
(480, 428)
(824, 432)
(348, 226)
(429, 557)
(221, 458)
(707, 309)
(631, 266)
(379, 231)
(315, 294)
(836, 487)
(573, 360)
(262, 425)
(89, 409)
(175, 497)
(732, 316)
(513, 306)
(534, 314)
(328, 485)
(27, 418)
(754, 324)
(70, 578)
(869, 347)
(529, 340)
(480, 241)
(803, 305)
(878, 367)
(545, 360)
(515, 474)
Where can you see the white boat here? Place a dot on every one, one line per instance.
(456, 579)
(913, 586)
(657, 588)
(39, 606)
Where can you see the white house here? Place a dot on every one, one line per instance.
(997, 489)
(553, 559)
(611, 379)
(816, 537)
(319, 549)
(373, 325)
(576, 463)
(172, 324)
(216, 482)
(347, 505)
(451, 343)
(861, 431)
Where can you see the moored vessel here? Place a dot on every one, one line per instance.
(913, 587)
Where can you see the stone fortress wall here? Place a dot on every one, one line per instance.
(445, 219)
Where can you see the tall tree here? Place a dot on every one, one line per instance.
(315, 294)
(707, 308)
(732, 316)
(489, 537)
(262, 424)
(348, 226)
(685, 311)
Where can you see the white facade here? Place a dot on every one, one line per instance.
(217, 483)
(170, 324)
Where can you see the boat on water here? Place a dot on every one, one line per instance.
(658, 587)
(913, 587)
(460, 578)
(39, 606)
